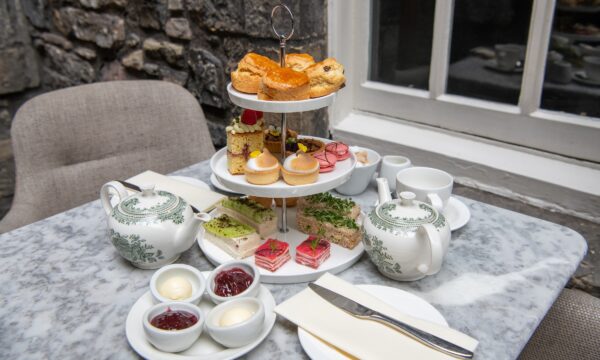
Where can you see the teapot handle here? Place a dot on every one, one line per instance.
(436, 201)
(437, 251)
(120, 190)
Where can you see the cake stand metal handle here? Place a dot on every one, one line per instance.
(282, 42)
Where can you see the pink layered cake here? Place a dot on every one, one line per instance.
(313, 251)
(272, 254)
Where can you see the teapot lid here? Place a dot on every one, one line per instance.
(150, 205)
(407, 212)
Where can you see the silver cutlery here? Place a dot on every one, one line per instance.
(363, 312)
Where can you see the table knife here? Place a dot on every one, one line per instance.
(363, 312)
(134, 187)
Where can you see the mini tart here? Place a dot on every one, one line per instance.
(326, 161)
(313, 146)
(263, 169)
(273, 142)
(300, 169)
(284, 84)
(339, 149)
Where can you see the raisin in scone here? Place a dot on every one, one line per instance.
(325, 77)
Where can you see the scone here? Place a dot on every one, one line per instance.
(246, 78)
(325, 77)
(284, 84)
(299, 62)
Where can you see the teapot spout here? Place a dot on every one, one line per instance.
(383, 189)
(187, 235)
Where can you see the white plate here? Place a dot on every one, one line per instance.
(191, 181)
(457, 213)
(291, 272)
(400, 299)
(205, 348)
(216, 183)
(325, 182)
(250, 101)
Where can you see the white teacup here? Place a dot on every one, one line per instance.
(361, 175)
(430, 185)
(390, 165)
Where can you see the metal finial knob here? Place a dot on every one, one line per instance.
(282, 36)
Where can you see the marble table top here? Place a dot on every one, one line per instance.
(65, 292)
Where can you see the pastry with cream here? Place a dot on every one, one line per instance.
(300, 169)
(262, 168)
(234, 237)
(273, 138)
(244, 135)
(250, 70)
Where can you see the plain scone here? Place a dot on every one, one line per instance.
(247, 77)
(325, 77)
(299, 62)
(284, 84)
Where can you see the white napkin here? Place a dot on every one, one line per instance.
(363, 339)
(201, 199)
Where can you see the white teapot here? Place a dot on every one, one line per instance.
(151, 228)
(406, 239)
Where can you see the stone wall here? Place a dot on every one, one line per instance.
(51, 44)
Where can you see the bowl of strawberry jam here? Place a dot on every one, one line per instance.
(233, 280)
(173, 326)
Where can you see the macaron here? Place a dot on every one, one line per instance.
(339, 149)
(326, 161)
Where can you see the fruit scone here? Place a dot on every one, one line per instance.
(333, 217)
(325, 77)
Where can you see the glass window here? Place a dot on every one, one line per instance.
(572, 79)
(487, 50)
(401, 44)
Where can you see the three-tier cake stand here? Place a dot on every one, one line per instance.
(341, 258)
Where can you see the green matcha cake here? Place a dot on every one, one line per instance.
(250, 212)
(235, 238)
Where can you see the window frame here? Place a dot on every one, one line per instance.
(549, 131)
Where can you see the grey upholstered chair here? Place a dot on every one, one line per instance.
(570, 330)
(67, 143)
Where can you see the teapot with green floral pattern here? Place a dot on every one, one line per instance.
(406, 239)
(152, 228)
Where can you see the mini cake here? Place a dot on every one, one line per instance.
(250, 212)
(326, 161)
(250, 70)
(313, 146)
(299, 62)
(284, 84)
(340, 150)
(313, 251)
(273, 138)
(326, 201)
(272, 254)
(235, 238)
(244, 135)
(325, 77)
(300, 169)
(262, 168)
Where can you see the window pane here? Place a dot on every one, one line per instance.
(401, 43)
(488, 49)
(572, 81)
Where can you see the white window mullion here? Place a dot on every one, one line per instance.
(440, 52)
(535, 58)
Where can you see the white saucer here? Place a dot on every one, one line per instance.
(291, 272)
(400, 299)
(191, 181)
(205, 348)
(457, 213)
(216, 183)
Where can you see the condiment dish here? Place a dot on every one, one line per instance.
(237, 334)
(251, 291)
(172, 340)
(180, 271)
